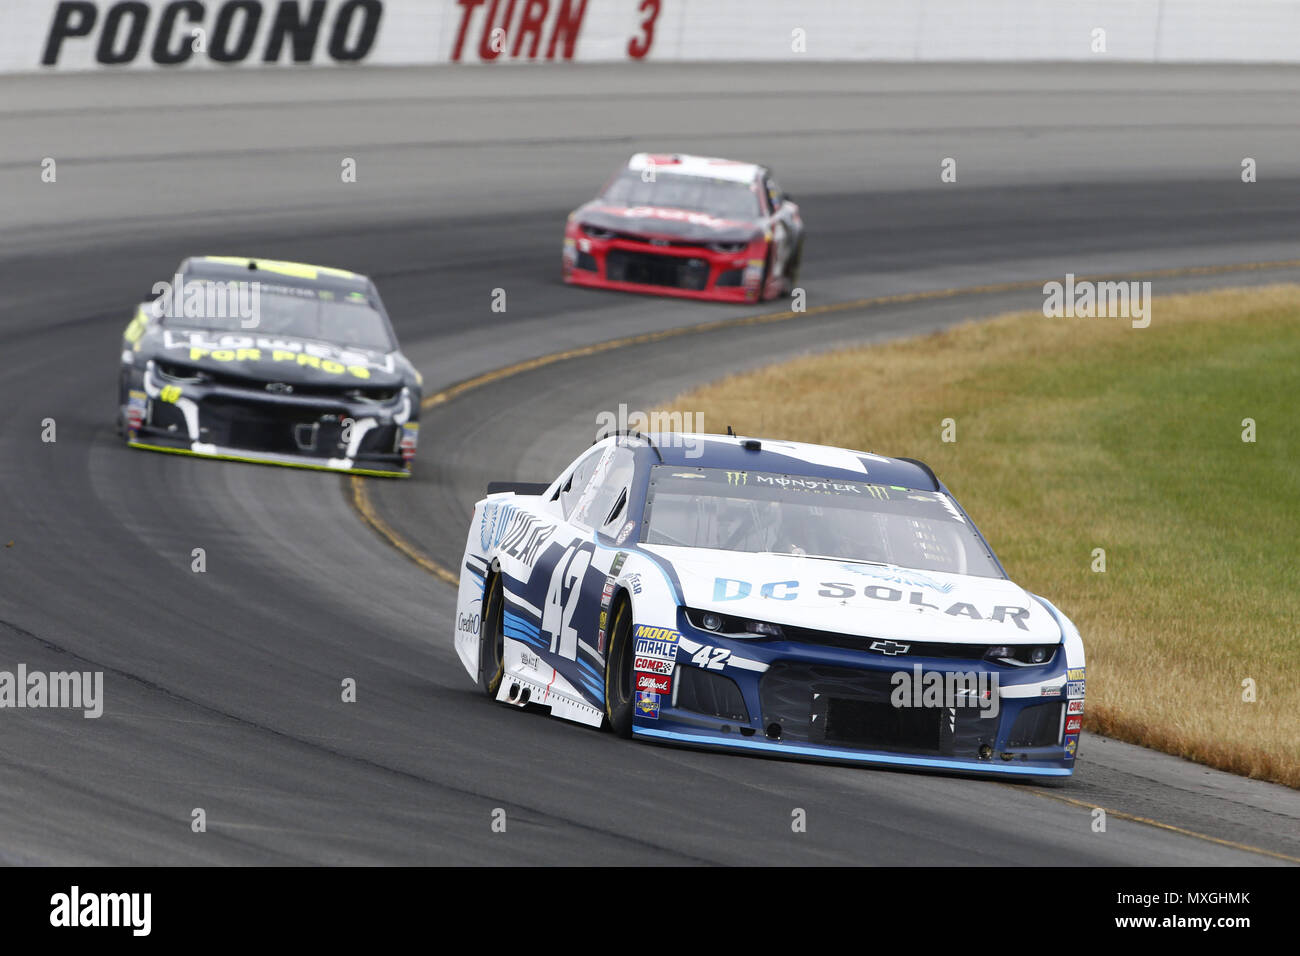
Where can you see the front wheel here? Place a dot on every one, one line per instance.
(620, 692)
(767, 274)
(492, 640)
(792, 270)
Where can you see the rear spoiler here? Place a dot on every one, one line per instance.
(518, 487)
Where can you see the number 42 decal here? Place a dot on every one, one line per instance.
(714, 658)
(562, 600)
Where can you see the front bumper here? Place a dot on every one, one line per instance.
(692, 737)
(236, 424)
(825, 703)
(690, 272)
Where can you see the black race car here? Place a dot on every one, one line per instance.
(267, 361)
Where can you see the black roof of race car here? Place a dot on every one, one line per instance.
(273, 272)
(737, 453)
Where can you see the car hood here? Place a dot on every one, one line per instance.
(678, 225)
(870, 600)
(278, 359)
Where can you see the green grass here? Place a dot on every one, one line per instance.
(1075, 434)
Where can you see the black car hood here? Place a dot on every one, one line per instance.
(680, 225)
(276, 358)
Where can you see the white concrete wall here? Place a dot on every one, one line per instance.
(410, 32)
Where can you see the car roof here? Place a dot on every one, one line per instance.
(705, 167)
(736, 453)
(273, 272)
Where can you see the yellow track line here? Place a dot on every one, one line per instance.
(360, 496)
(460, 388)
(366, 509)
(1163, 826)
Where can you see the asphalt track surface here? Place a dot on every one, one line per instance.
(223, 688)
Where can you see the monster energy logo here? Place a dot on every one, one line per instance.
(737, 477)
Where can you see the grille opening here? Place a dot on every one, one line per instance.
(707, 693)
(853, 707)
(291, 429)
(1037, 726)
(880, 726)
(642, 268)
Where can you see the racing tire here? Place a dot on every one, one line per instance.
(123, 396)
(792, 270)
(492, 639)
(620, 687)
(767, 275)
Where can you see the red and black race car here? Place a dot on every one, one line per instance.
(690, 226)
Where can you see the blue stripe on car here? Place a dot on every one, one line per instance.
(741, 743)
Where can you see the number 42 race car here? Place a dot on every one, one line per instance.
(275, 362)
(770, 597)
(688, 226)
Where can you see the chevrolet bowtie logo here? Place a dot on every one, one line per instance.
(889, 647)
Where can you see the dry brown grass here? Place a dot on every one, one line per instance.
(1075, 434)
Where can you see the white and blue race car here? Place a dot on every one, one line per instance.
(770, 597)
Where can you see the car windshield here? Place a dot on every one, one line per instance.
(340, 318)
(723, 198)
(819, 517)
